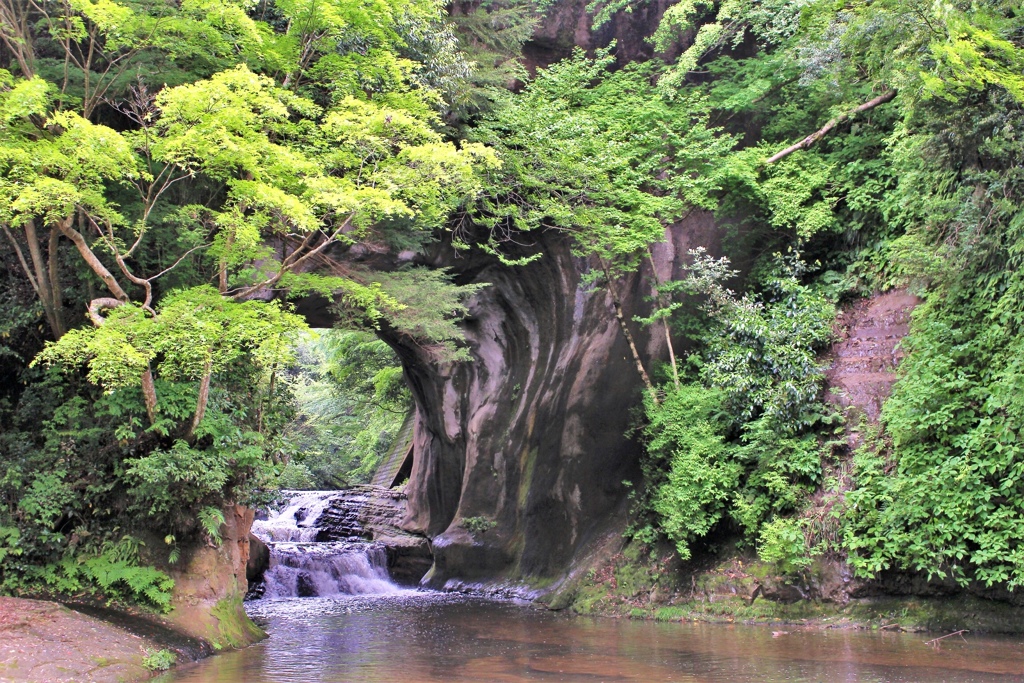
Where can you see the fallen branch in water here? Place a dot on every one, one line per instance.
(935, 641)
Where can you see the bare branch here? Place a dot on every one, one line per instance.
(92, 260)
(175, 264)
(100, 304)
(827, 128)
(21, 258)
(288, 267)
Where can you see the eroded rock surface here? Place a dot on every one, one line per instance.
(375, 513)
(521, 455)
(210, 583)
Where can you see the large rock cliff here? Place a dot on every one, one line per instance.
(521, 455)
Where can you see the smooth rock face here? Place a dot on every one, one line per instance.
(520, 455)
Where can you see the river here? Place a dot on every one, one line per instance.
(334, 616)
(413, 637)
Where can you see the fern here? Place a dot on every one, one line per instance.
(211, 520)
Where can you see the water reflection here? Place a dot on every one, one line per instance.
(413, 638)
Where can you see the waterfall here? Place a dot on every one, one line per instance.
(300, 566)
(297, 521)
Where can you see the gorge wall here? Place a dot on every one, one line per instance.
(521, 455)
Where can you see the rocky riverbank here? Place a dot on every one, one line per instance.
(641, 582)
(46, 642)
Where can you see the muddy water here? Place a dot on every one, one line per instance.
(419, 637)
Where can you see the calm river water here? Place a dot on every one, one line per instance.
(412, 637)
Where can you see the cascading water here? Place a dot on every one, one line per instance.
(301, 566)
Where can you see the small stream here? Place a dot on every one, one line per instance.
(334, 616)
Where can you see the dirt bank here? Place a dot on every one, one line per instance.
(45, 642)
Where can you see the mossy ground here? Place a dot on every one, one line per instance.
(643, 583)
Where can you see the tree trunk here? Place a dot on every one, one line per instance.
(56, 293)
(827, 128)
(43, 278)
(664, 321)
(92, 260)
(203, 399)
(149, 394)
(628, 335)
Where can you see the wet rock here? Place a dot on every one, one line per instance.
(259, 559)
(375, 513)
(781, 591)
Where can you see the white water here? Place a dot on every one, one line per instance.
(302, 567)
(322, 569)
(296, 522)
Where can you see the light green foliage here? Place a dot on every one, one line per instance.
(782, 542)
(688, 431)
(351, 401)
(492, 35)
(178, 171)
(764, 352)
(191, 328)
(600, 155)
(944, 499)
(115, 571)
(161, 660)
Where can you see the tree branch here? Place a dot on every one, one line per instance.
(628, 335)
(287, 267)
(21, 258)
(92, 260)
(827, 128)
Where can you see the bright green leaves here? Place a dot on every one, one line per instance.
(582, 151)
(370, 49)
(213, 360)
(22, 98)
(763, 352)
(923, 49)
(222, 127)
(946, 499)
(52, 161)
(740, 442)
(362, 171)
(687, 437)
(191, 328)
(976, 53)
